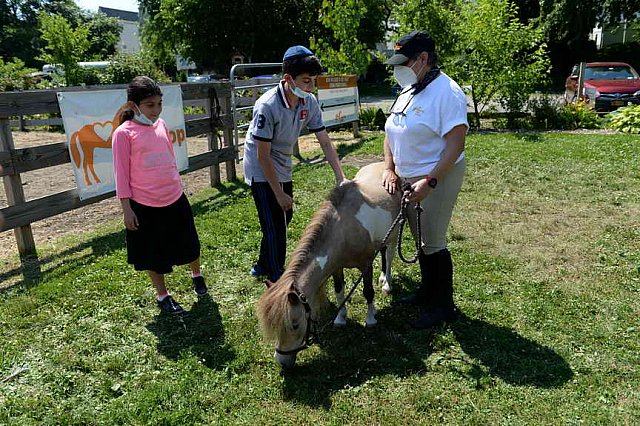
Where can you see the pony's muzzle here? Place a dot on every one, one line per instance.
(285, 361)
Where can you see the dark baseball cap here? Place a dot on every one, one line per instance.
(410, 45)
(295, 52)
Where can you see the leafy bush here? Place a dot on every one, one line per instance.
(580, 115)
(546, 113)
(372, 118)
(124, 67)
(626, 119)
(14, 76)
(549, 113)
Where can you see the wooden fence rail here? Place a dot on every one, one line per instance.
(21, 213)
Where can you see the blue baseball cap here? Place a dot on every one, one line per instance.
(295, 52)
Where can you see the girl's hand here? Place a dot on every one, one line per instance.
(130, 220)
(420, 191)
(390, 181)
(343, 182)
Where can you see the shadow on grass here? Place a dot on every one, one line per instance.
(199, 331)
(509, 356)
(346, 149)
(353, 355)
(33, 270)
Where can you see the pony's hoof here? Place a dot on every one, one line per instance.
(339, 324)
(386, 289)
(371, 324)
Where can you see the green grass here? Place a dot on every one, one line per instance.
(546, 246)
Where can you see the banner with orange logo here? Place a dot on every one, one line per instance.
(89, 120)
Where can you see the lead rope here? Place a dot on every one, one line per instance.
(401, 219)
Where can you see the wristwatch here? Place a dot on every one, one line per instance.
(431, 181)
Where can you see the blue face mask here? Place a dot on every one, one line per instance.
(298, 92)
(143, 119)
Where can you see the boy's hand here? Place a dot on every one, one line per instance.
(343, 182)
(285, 201)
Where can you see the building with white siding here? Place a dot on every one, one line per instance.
(130, 36)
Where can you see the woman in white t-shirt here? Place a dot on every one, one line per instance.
(424, 146)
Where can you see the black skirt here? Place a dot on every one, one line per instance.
(166, 236)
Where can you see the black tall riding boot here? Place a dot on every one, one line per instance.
(439, 306)
(426, 291)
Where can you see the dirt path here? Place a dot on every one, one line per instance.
(48, 181)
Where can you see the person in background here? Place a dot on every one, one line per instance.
(278, 117)
(424, 147)
(160, 229)
(571, 86)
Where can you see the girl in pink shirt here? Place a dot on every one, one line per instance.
(160, 229)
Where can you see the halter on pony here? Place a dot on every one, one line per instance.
(311, 332)
(311, 335)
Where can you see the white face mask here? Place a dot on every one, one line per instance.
(143, 119)
(404, 75)
(298, 92)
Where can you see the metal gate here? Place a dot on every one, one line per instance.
(240, 104)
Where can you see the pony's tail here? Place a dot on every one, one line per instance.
(75, 152)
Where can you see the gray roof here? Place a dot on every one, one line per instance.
(117, 13)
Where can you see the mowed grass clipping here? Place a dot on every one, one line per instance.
(546, 250)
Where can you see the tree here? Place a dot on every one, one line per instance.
(65, 46)
(103, 35)
(482, 44)
(342, 18)
(502, 56)
(436, 17)
(210, 33)
(21, 38)
(568, 23)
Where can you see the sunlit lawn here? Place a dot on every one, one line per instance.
(546, 246)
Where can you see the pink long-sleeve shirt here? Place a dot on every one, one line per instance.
(144, 164)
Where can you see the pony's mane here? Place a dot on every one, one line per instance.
(313, 231)
(272, 306)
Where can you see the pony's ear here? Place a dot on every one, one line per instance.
(294, 299)
(269, 283)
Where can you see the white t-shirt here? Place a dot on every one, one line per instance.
(416, 136)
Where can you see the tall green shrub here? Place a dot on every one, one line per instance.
(65, 45)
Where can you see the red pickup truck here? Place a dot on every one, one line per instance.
(609, 85)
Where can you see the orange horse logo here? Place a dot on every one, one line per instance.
(90, 137)
(98, 135)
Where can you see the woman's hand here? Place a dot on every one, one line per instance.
(343, 182)
(130, 220)
(420, 190)
(390, 181)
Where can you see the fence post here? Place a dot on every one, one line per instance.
(227, 135)
(15, 195)
(21, 123)
(212, 144)
(579, 95)
(356, 129)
